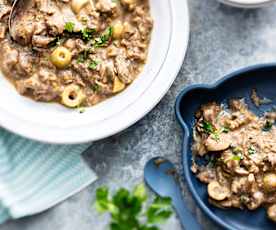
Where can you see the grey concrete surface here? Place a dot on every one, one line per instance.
(222, 40)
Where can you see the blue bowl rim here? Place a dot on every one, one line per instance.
(186, 133)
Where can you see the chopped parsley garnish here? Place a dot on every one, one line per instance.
(215, 136)
(207, 127)
(83, 56)
(251, 150)
(238, 153)
(267, 126)
(69, 27)
(87, 34)
(237, 157)
(93, 64)
(80, 58)
(129, 209)
(225, 130)
(95, 87)
(104, 38)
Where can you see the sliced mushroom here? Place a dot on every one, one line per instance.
(217, 191)
(77, 5)
(217, 144)
(270, 182)
(256, 200)
(271, 212)
(241, 171)
(221, 204)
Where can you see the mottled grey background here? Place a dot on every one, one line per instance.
(222, 40)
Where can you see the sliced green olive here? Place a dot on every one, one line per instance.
(72, 96)
(61, 57)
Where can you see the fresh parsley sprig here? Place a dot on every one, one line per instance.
(85, 34)
(128, 209)
(69, 27)
(104, 38)
(207, 127)
(93, 64)
(251, 150)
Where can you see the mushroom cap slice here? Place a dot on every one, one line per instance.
(217, 191)
(219, 144)
(271, 212)
(270, 182)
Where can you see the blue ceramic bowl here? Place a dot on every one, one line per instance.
(235, 85)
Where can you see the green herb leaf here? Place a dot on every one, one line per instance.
(267, 126)
(102, 199)
(159, 211)
(87, 34)
(207, 127)
(215, 136)
(127, 209)
(95, 87)
(161, 202)
(225, 130)
(238, 157)
(80, 58)
(238, 153)
(83, 56)
(251, 150)
(125, 201)
(69, 27)
(104, 38)
(93, 64)
(140, 192)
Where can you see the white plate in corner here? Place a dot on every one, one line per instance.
(248, 3)
(53, 123)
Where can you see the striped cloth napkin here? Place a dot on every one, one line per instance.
(36, 176)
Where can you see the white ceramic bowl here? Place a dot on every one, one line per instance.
(52, 123)
(248, 3)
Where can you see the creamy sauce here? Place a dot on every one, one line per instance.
(240, 149)
(75, 52)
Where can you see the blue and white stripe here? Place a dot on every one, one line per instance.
(36, 176)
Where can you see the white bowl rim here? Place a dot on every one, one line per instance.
(146, 103)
